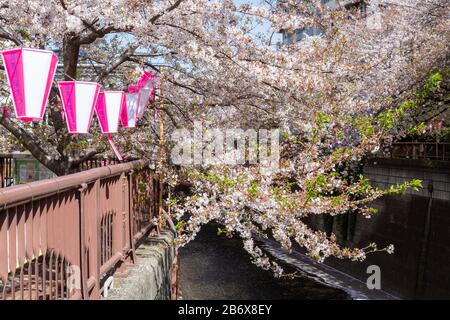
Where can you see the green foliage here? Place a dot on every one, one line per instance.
(388, 119)
(25, 34)
(284, 200)
(142, 186)
(313, 185)
(433, 84)
(180, 224)
(321, 120)
(253, 190)
(418, 129)
(310, 189)
(221, 231)
(362, 186)
(224, 182)
(402, 187)
(336, 201)
(321, 181)
(364, 126)
(337, 153)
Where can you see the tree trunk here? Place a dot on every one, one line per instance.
(71, 51)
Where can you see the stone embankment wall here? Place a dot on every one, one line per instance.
(416, 223)
(153, 276)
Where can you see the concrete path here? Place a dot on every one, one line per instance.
(324, 274)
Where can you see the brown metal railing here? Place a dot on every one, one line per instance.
(421, 150)
(61, 238)
(97, 162)
(6, 173)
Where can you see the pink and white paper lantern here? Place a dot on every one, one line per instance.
(108, 108)
(78, 99)
(130, 110)
(147, 84)
(30, 74)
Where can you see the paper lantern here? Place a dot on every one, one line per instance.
(30, 74)
(129, 111)
(144, 97)
(108, 109)
(147, 90)
(78, 100)
(145, 79)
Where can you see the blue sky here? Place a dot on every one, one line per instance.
(260, 28)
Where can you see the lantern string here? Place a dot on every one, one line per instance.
(113, 146)
(65, 74)
(153, 78)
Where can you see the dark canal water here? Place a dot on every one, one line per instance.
(215, 267)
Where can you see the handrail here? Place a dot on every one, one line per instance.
(420, 150)
(418, 143)
(61, 238)
(37, 189)
(7, 160)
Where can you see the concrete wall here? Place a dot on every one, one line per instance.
(151, 277)
(417, 223)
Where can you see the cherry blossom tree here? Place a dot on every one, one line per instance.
(336, 97)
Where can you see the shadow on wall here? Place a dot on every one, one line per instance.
(416, 223)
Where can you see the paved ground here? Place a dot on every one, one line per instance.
(215, 267)
(324, 273)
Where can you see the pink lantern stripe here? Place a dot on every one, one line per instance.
(129, 117)
(147, 85)
(67, 93)
(144, 97)
(114, 104)
(124, 114)
(100, 110)
(153, 93)
(145, 79)
(113, 146)
(12, 60)
(108, 108)
(30, 73)
(50, 77)
(78, 99)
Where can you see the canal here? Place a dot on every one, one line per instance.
(216, 267)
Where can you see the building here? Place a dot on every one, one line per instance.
(300, 34)
(21, 167)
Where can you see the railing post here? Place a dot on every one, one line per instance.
(91, 240)
(90, 248)
(96, 247)
(83, 247)
(129, 202)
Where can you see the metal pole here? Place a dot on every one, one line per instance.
(161, 149)
(2, 178)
